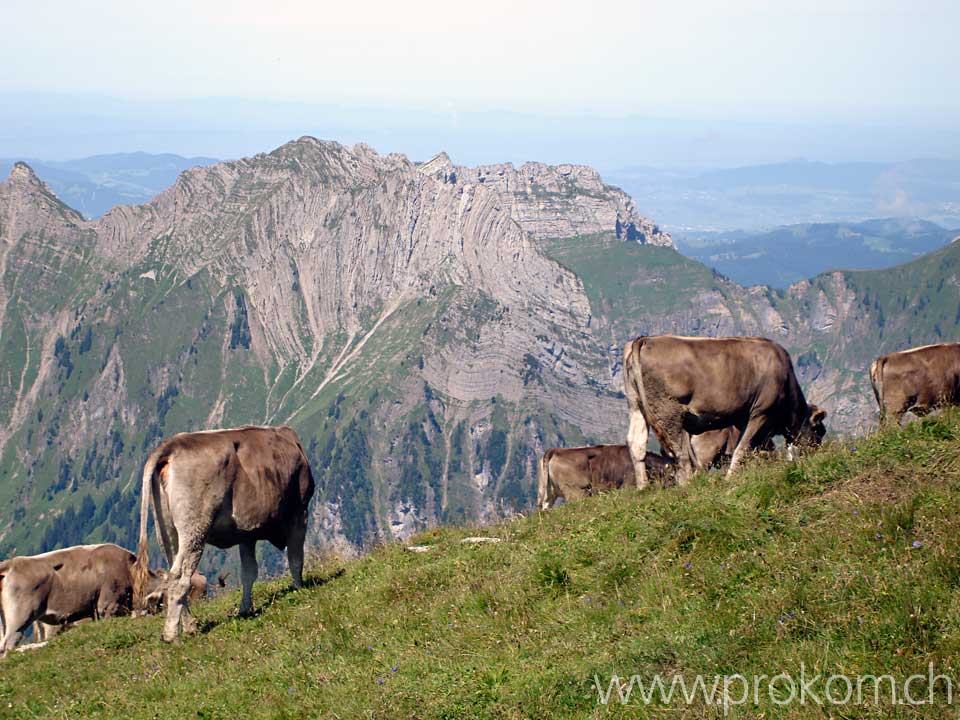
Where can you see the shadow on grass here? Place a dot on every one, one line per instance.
(311, 581)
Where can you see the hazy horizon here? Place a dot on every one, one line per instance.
(614, 84)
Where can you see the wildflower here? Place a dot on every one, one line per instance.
(879, 536)
(290, 690)
(394, 668)
(856, 512)
(918, 543)
(781, 621)
(790, 615)
(370, 648)
(687, 566)
(586, 599)
(379, 681)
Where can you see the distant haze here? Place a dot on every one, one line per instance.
(694, 84)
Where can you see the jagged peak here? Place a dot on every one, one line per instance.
(440, 162)
(23, 173)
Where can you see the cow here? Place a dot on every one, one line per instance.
(917, 380)
(64, 587)
(714, 446)
(574, 473)
(223, 488)
(683, 386)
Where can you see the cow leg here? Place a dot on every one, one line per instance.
(687, 463)
(637, 443)
(178, 587)
(15, 622)
(248, 573)
(295, 540)
(754, 426)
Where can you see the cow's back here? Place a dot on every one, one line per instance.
(260, 474)
(924, 376)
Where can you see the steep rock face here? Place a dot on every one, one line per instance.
(407, 297)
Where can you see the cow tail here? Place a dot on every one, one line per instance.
(141, 568)
(876, 379)
(633, 374)
(543, 478)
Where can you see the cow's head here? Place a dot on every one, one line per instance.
(812, 430)
(156, 587)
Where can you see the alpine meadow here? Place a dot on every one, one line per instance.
(508, 361)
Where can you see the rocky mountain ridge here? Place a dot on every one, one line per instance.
(427, 329)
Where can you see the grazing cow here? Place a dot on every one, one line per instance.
(714, 446)
(574, 473)
(65, 587)
(682, 386)
(225, 488)
(917, 380)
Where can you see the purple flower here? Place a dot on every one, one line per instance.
(379, 681)
(781, 621)
(586, 599)
(790, 615)
(291, 691)
(879, 536)
(622, 603)
(394, 668)
(687, 566)
(918, 543)
(856, 512)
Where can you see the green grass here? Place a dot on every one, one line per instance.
(812, 562)
(626, 280)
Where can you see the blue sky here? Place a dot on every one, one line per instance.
(335, 67)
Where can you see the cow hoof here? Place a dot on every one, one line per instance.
(171, 637)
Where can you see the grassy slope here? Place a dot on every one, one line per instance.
(810, 562)
(626, 280)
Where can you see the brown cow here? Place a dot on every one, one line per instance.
(64, 587)
(574, 473)
(225, 488)
(682, 386)
(916, 380)
(714, 446)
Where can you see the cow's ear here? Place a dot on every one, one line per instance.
(818, 414)
(57, 566)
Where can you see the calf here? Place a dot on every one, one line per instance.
(574, 473)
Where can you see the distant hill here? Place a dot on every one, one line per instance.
(785, 255)
(95, 184)
(763, 196)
